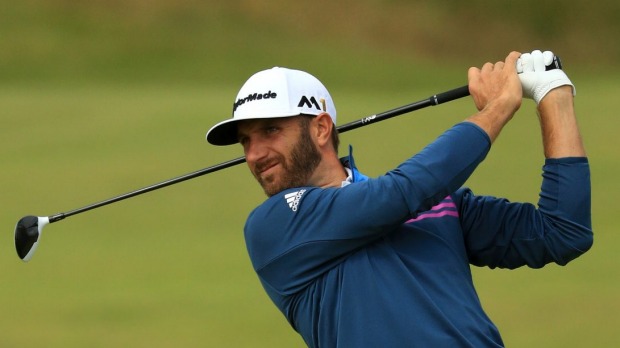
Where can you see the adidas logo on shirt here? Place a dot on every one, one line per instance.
(293, 199)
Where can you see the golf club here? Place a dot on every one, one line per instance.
(29, 228)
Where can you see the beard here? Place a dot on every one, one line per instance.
(296, 170)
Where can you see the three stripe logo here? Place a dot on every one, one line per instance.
(293, 199)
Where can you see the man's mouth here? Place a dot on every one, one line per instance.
(264, 167)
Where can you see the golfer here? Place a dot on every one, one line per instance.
(353, 261)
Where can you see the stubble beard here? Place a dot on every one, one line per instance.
(296, 171)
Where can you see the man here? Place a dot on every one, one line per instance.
(353, 261)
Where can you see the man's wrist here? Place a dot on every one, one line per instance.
(558, 96)
(556, 105)
(493, 118)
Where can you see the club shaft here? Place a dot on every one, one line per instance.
(432, 101)
(215, 168)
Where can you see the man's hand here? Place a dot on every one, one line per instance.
(535, 79)
(497, 93)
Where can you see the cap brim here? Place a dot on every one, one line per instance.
(223, 133)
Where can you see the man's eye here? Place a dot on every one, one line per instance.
(271, 130)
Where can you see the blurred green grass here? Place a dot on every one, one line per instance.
(101, 98)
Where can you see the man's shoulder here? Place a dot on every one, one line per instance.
(278, 209)
(286, 200)
(268, 225)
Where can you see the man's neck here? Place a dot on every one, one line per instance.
(329, 173)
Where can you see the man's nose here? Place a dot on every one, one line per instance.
(255, 150)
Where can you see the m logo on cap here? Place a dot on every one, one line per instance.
(304, 101)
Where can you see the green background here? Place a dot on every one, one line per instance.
(98, 98)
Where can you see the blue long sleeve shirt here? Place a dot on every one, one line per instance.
(385, 262)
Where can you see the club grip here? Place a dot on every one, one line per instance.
(450, 95)
(555, 64)
(463, 91)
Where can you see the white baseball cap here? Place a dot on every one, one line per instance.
(276, 92)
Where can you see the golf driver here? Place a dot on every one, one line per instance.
(29, 228)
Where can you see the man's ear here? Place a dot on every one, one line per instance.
(323, 128)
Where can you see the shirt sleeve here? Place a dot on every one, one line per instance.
(299, 233)
(499, 233)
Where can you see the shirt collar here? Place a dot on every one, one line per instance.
(353, 175)
(349, 178)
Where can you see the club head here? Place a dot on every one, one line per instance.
(27, 235)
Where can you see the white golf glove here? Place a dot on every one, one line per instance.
(536, 81)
